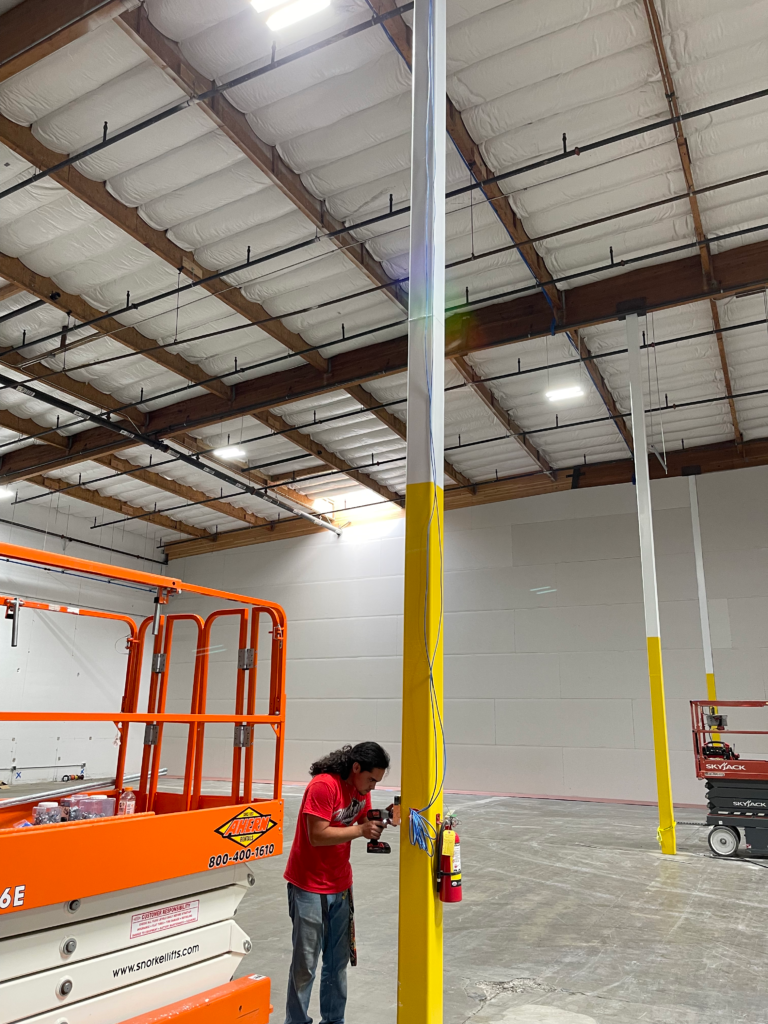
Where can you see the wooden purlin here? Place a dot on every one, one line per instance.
(167, 56)
(398, 426)
(400, 34)
(657, 37)
(319, 451)
(93, 497)
(44, 288)
(254, 477)
(236, 127)
(665, 286)
(191, 494)
(7, 291)
(492, 403)
(26, 428)
(706, 459)
(590, 368)
(95, 194)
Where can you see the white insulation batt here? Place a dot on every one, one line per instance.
(523, 74)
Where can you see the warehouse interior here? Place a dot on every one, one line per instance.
(484, 411)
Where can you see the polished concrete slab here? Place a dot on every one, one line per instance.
(570, 916)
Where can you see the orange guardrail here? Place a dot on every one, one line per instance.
(173, 833)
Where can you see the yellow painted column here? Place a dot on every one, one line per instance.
(420, 936)
(420, 940)
(666, 832)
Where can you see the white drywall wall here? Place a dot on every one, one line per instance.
(63, 662)
(545, 672)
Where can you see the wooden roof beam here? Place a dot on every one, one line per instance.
(95, 194)
(29, 427)
(169, 58)
(657, 38)
(44, 288)
(398, 426)
(491, 402)
(167, 55)
(115, 505)
(7, 291)
(400, 34)
(191, 494)
(706, 459)
(319, 451)
(240, 469)
(677, 283)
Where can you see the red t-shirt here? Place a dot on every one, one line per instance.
(325, 868)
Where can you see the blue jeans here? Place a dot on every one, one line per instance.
(320, 922)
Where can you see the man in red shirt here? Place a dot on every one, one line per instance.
(319, 875)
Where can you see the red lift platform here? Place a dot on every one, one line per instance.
(115, 918)
(737, 787)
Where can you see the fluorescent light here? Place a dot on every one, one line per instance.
(560, 394)
(232, 452)
(322, 505)
(266, 5)
(5, 493)
(294, 12)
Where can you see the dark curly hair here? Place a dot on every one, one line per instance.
(369, 755)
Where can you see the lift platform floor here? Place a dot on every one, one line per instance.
(571, 915)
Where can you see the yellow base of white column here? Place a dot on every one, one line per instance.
(711, 688)
(420, 941)
(667, 838)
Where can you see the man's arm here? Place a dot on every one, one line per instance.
(323, 833)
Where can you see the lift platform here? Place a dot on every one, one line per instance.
(132, 916)
(736, 787)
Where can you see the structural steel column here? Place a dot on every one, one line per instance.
(650, 590)
(420, 940)
(706, 639)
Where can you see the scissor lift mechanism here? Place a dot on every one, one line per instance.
(737, 789)
(132, 918)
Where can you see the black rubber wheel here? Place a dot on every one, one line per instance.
(724, 840)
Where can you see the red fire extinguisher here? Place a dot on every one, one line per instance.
(449, 863)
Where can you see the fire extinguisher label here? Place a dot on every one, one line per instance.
(456, 870)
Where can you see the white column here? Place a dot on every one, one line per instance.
(650, 589)
(706, 639)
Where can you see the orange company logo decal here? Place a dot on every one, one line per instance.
(247, 827)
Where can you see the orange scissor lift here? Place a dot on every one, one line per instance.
(131, 918)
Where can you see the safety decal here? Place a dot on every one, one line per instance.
(247, 827)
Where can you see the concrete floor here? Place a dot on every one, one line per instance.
(570, 916)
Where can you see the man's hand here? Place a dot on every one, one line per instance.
(371, 830)
(322, 833)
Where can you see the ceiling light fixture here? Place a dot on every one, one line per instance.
(294, 12)
(560, 394)
(232, 452)
(323, 505)
(5, 493)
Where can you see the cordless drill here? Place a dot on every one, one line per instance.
(390, 816)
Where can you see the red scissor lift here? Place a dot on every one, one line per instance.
(737, 788)
(103, 891)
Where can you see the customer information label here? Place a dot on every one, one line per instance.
(162, 919)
